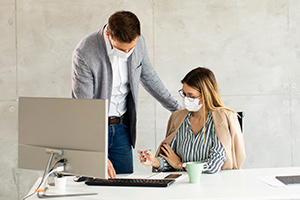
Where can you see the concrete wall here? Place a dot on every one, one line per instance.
(253, 47)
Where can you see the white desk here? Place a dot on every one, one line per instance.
(227, 184)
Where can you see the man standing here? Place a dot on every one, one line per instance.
(110, 64)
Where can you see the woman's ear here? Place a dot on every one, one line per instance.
(201, 100)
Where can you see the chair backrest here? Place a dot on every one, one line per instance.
(240, 116)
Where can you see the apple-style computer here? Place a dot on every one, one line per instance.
(70, 136)
(71, 133)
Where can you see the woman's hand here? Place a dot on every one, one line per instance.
(148, 159)
(171, 157)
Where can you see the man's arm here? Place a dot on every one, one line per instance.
(152, 83)
(82, 78)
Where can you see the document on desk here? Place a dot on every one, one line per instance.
(134, 175)
(158, 175)
(274, 182)
(271, 180)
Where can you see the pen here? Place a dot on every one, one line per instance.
(145, 153)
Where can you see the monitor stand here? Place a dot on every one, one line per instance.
(41, 190)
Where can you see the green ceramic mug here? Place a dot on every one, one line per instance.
(195, 170)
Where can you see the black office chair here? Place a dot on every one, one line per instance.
(240, 116)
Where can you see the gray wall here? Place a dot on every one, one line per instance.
(251, 45)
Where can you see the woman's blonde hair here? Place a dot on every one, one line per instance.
(203, 80)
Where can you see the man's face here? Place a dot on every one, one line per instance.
(122, 46)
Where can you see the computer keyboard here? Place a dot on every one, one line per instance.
(131, 182)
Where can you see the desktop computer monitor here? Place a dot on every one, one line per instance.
(76, 127)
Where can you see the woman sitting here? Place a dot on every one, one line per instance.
(205, 130)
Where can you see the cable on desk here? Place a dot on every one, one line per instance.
(37, 189)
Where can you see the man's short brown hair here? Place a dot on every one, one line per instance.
(124, 26)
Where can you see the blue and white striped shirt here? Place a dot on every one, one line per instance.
(192, 148)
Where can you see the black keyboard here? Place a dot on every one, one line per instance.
(131, 182)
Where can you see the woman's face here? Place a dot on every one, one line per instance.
(191, 92)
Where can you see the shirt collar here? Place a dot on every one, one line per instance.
(108, 45)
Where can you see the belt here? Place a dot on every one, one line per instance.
(114, 120)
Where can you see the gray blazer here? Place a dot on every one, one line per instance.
(92, 76)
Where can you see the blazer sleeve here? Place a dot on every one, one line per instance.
(82, 78)
(174, 123)
(237, 140)
(170, 127)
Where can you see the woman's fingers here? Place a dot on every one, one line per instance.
(167, 146)
(164, 157)
(140, 152)
(164, 150)
(167, 149)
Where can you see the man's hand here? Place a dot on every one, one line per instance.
(110, 169)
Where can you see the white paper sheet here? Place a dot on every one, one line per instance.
(274, 182)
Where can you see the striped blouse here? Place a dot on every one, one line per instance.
(191, 148)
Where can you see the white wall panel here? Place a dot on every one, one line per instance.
(294, 43)
(8, 50)
(267, 129)
(8, 149)
(295, 129)
(245, 39)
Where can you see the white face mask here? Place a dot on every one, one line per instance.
(191, 106)
(121, 54)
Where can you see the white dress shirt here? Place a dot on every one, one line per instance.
(120, 87)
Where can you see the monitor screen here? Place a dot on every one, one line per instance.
(78, 127)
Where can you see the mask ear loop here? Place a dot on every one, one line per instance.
(204, 128)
